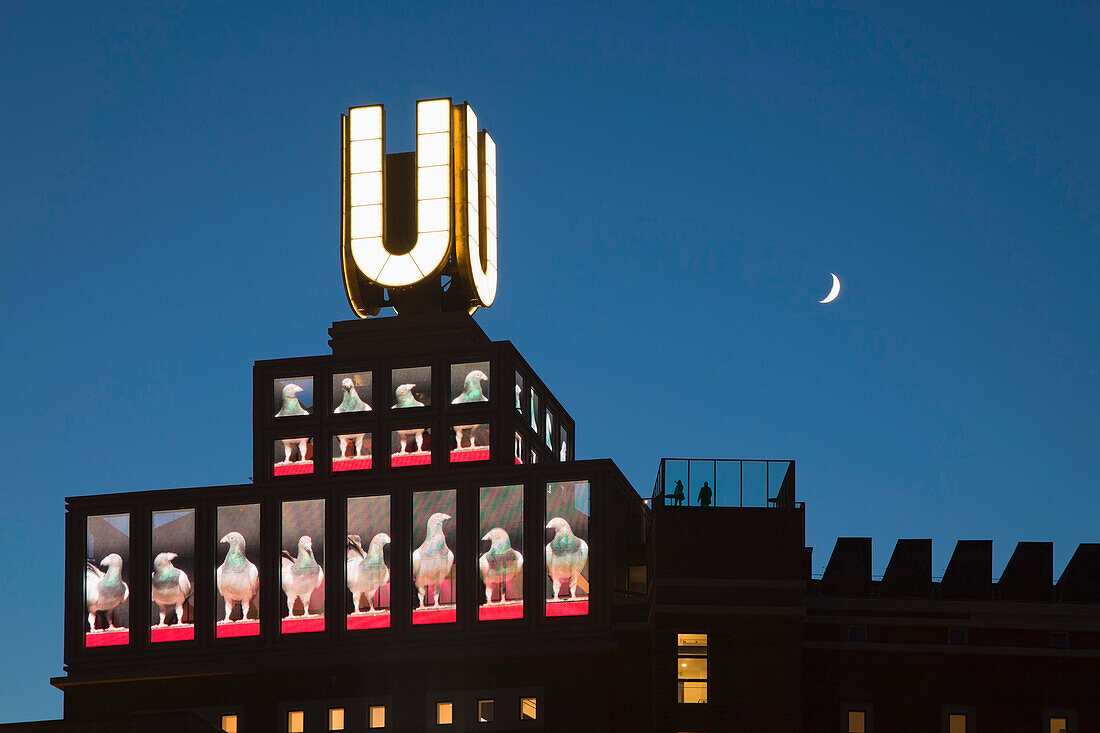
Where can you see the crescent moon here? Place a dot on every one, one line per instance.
(834, 292)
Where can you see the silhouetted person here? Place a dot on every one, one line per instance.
(678, 494)
(705, 494)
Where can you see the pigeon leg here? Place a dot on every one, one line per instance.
(458, 436)
(91, 622)
(359, 445)
(573, 591)
(302, 445)
(110, 620)
(228, 611)
(436, 596)
(503, 591)
(419, 441)
(162, 624)
(343, 446)
(244, 610)
(290, 606)
(488, 593)
(557, 588)
(404, 441)
(420, 595)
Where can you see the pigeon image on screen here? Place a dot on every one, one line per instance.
(293, 396)
(302, 563)
(173, 576)
(469, 383)
(432, 561)
(366, 570)
(412, 387)
(499, 564)
(567, 550)
(500, 559)
(350, 401)
(106, 586)
(171, 588)
(105, 590)
(302, 575)
(237, 579)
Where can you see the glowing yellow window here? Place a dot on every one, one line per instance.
(229, 723)
(336, 719)
(485, 711)
(956, 723)
(296, 721)
(444, 713)
(857, 721)
(376, 717)
(528, 708)
(1059, 725)
(691, 668)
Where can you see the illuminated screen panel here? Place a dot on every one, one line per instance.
(519, 448)
(564, 452)
(500, 557)
(470, 443)
(351, 452)
(470, 383)
(412, 387)
(302, 574)
(433, 558)
(173, 576)
(534, 411)
(293, 396)
(519, 393)
(352, 392)
(106, 580)
(367, 567)
(237, 575)
(568, 507)
(548, 432)
(293, 456)
(411, 447)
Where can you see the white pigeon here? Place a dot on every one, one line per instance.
(170, 587)
(237, 578)
(367, 571)
(432, 561)
(566, 556)
(105, 591)
(301, 575)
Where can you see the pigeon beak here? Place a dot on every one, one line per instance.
(486, 537)
(172, 556)
(224, 539)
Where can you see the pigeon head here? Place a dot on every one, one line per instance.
(164, 559)
(233, 539)
(114, 560)
(347, 384)
(381, 538)
(476, 376)
(496, 534)
(435, 522)
(305, 542)
(559, 525)
(356, 540)
(405, 390)
(291, 390)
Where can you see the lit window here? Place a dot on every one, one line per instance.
(376, 716)
(857, 634)
(485, 711)
(636, 579)
(857, 721)
(336, 719)
(444, 713)
(1059, 725)
(956, 723)
(229, 723)
(295, 721)
(528, 709)
(956, 637)
(691, 668)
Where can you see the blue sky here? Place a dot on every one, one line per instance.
(676, 184)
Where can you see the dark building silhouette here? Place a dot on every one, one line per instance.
(676, 618)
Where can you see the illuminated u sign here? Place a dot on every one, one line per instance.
(453, 177)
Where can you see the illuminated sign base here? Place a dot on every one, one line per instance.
(294, 469)
(179, 632)
(107, 638)
(459, 455)
(375, 620)
(420, 458)
(357, 464)
(303, 624)
(231, 629)
(500, 611)
(567, 608)
(435, 615)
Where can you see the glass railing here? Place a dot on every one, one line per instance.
(724, 482)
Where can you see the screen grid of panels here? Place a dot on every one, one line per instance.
(367, 570)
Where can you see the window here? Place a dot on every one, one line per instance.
(469, 382)
(485, 711)
(956, 723)
(636, 579)
(857, 721)
(1058, 724)
(1059, 641)
(691, 668)
(444, 713)
(857, 634)
(229, 723)
(335, 718)
(295, 721)
(411, 387)
(293, 396)
(376, 716)
(956, 637)
(106, 580)
(528, 708)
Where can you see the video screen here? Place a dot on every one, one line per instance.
(352, 392)
(500, 557)
(293, 456)
(412, 387)
(351, 452)
(293, 396)
(519, 393)
(237, 576)
(534, 412)
(567, 512)
(470, 443)
(564, 452)
(411, 447)
(368, 563)
(548, 433)
(519, 449)
(106, 580)
(469, 382)
(303, 558)
(433, 559)
(173, 599)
